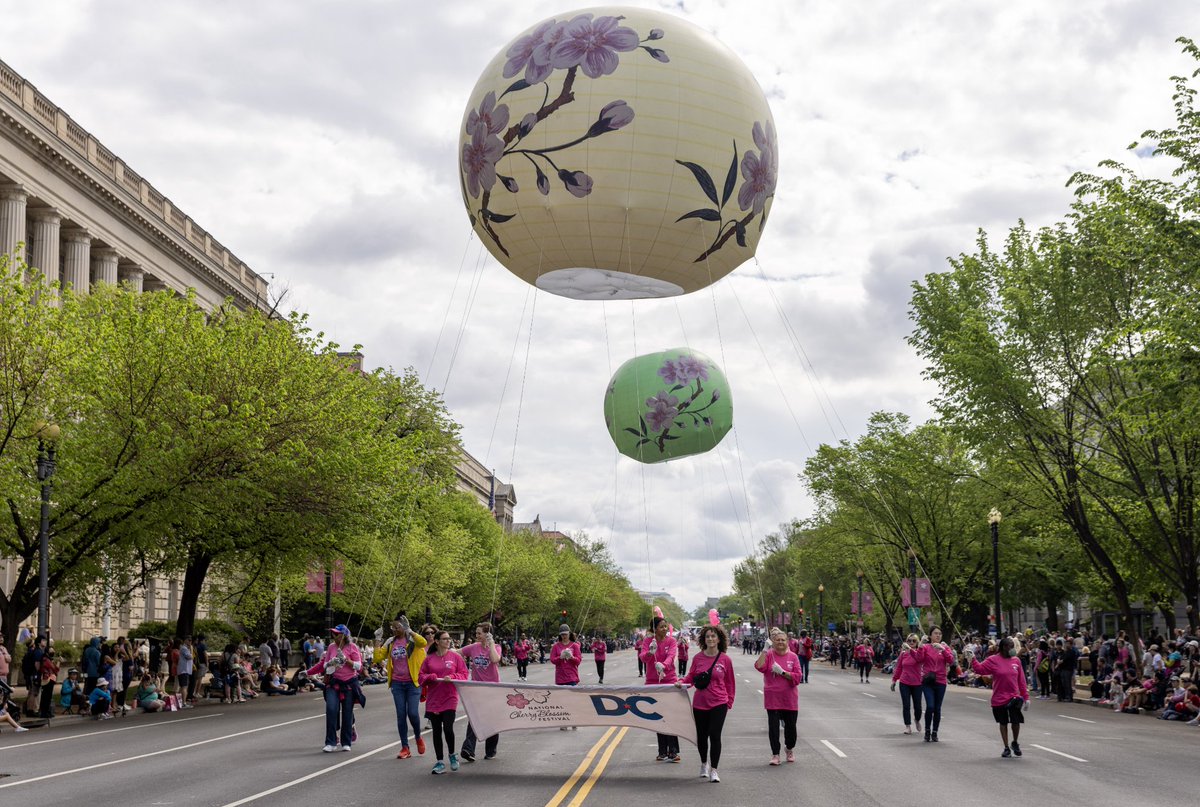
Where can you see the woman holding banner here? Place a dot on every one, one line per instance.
(716, 686)
(659, 654)
(439, 671)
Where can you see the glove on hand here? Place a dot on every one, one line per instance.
(659, 668)
(653, 647)
(775, 668)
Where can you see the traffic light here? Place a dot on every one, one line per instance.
(564, 613)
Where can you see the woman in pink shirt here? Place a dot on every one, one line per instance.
(935, 658)
(565, 656)
(681, 650)
(521, 651)
(659, 654)
(713, 702)
(439, 671)
(908, 672)
(1010, 696)
(340, 666)
(780, 669)
(600, 654)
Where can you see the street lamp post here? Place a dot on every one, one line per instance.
(801, 598)
(860, 603)
(782, 621)
(820, 608)
(994, 520)
(47, 434)
(914, 623)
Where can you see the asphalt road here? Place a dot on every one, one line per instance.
(851, 747)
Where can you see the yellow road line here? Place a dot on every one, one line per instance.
(596, 771)
(587, 760)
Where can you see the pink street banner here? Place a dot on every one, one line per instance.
(922, 592)
(493, 708)
(868, 602)
(315, 582)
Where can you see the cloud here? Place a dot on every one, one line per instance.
(320, 146)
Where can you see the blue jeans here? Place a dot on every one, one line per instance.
(407, 697)
(335, 708)
(933, 706)
(804, 668)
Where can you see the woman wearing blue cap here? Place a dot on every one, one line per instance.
(340, 666)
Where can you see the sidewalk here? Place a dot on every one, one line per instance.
(21, 693)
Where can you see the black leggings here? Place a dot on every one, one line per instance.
(522, 667)
(709, 723)
(600, 668)
(864, 668)
(443, 724)
(788, 718)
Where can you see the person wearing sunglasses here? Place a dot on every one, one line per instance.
(439, 671)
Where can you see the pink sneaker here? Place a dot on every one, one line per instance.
(774, 760)
(791, 755)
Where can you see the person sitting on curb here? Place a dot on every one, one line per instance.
(146, 695)
(100, 700)
(8, 708)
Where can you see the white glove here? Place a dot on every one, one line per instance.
(357, 666)
(775, 668)
(404, 624)
(659, 668)
(567, 654)
(1025, 707)
(653, 646)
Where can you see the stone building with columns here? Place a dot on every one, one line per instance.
(78, 213)
(86, 217)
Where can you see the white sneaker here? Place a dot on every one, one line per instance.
(712, 776)
(19, 729)
(329, 749)
(703, 770)
(343, 748)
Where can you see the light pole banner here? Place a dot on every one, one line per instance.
(493, 708)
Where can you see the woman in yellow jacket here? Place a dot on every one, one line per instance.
(405, 652)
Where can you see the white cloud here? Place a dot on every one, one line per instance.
(317, 141)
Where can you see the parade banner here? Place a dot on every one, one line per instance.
(493, 708)
(922, 592)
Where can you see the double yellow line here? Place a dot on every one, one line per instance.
(586, 788)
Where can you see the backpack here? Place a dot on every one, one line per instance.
(1044, 666)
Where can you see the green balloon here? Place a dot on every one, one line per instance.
(666, 405)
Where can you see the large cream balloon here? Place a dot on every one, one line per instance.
(618, 153)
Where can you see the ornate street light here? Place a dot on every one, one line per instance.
(801, 598)
(47, 435)
(994, 518)
(860, 602)
(821, 607)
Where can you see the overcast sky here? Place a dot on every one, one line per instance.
(318, 142)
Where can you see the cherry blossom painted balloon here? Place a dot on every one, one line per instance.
(666, 405)
(618, 153)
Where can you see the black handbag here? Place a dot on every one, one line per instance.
(701, 680)
(928, 679)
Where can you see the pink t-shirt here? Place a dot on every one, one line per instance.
(908, 670)
(664, 653)
(722, 686)
(779, 691)
(936, 661)
(442, 696)
(480, 663)
(521, 650)
(682, 648)
(1008, 678)
(399, 654)
(344, 672)
(566, 671)
(599, 650)
(794, 646)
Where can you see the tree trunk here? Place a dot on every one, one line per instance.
(189, 598)
(1051, 615)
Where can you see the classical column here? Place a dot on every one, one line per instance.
(131, 274)
(77, 248)
(151, 284)
(12, 217)
(43, 243)
(104, 265)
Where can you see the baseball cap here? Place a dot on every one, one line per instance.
(341, 629)
(564, 629)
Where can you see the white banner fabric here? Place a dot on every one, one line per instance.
(493, 708)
